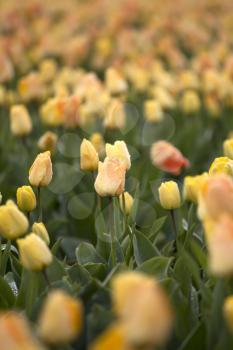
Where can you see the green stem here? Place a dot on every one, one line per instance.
(112, 230)
(124, 213)
(40, 217)
(172, 212)
(46, 277)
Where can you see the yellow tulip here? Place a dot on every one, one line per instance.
(126, 203)
(228, 148)
(40, 230)
(47, 142)
(21, 123)
(169, 195)
(13, 223)
(120, 151)
(61, 318)
(221, 165)
(192, 185)
(34, 253)
(26, 199)
(40, 173)
(228, 311)
(88, 156)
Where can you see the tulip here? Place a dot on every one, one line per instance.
(40, 173)
(88, 156)
(112, 338)
(47, 142)
(115, 117)
(228, 312)
(98, 142)
(21, 124)
(126, 202)
(47, 69)
(110, 180)
(114, 82)
(190, 102)
(221, 165)
(192, 185)
(61, 318)
(215, 197)
(153, 111)
(13, 223)
(169, 195)
(15, 333)
(228, 148)
(142, 307)
(26, 199)
(220, 246)
(52, 112)
(40, 230)
(120, 151)
(167, 157)
(34, 253)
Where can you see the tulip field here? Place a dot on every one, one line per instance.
(116, 175)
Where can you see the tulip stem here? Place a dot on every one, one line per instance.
(40, 217)
(172, 212)
(124, 212)
(112, 230)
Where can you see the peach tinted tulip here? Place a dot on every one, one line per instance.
(120, 151)
(216, 197)
(15, 333)
(220, 246)
(41, 172)
(168, 158)
(110, 180)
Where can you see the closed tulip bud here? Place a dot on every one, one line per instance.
(110, 180)
(21, 124)
(169, 195)
(190, 102)
(192, 185)
(52, 112)
(228, 312)
(26, 199)
(126, 202)
(120, 151)
(40, 230)
(167, 157)
(221, 165)
(34, 253)
(41, 172)
(143, 308)
(61, 318)
(112, 338)
(13, 223)
(88, 156)
(48, 141)
(228, 148)
(115, 117)
(220, 246)
(98, 142)
(153, 111)
(15, 333)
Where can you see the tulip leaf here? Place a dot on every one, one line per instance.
(86, 253)
(143, 248)
(157, 266)
(6, 293)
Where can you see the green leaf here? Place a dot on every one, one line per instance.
(79, 274)
(156, 227)
(6, 293)
(86, 253)
(97, 270)
(55, 271)
(195, 340)
(157, 266)
(143, 248)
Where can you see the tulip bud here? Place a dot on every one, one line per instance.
(221, 165)
(190, 102)
(34, 253)
(47, 142)
(228, 148)
(142, 308)
(110, 180)
(20, 120)
(15, 333)
(167, 157)
(153, 111)
(169, 195)
(120, 151)
(61, 318)
(192, 185)
(114, 82)
(112, 338)
(26, 199)
(115, 117)
(47, 69)
(228, 312)
(13, 223)
(40, 173)
(98, 142)
(40, 230)
(88, 156)
(126, 203)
